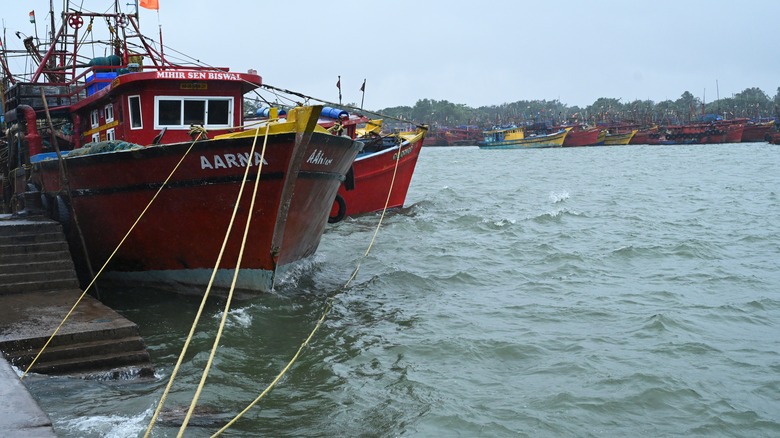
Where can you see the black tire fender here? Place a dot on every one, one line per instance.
(62, 210)
(341, 212)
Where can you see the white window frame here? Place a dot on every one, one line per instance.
(94, 118)
(182, 99)
(140, 112)
(110, 134)
(95, 137)
(108, 112)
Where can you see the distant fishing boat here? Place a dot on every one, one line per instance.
(514, 137)
(580, 135)
(616, 139)
(93, 143)
(647, 135)
(757, 131)
(703, 133)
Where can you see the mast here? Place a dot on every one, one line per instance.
(51, 16)
(717, 95)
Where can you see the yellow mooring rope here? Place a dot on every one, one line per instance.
(235, 277)
(328, 305)
(206, 293)
(94, 279)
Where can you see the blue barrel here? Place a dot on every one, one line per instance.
(333, 113)
(106, 61)
(265, 112)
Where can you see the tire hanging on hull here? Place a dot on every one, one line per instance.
(342, 210)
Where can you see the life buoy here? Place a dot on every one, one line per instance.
(122, 21)
(76, 21)
(342, 210)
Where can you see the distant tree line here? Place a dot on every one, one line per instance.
(751, 103)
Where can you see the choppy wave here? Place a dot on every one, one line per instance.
(627, 291)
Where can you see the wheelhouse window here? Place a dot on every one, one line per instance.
(94, 118)
(108, 113)
(110, 134)
(181, 112)
(134, 103)
(95, 137)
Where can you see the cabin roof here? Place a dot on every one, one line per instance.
(248, 81)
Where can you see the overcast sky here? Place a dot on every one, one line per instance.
(466, 52)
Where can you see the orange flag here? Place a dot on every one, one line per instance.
(149, 4)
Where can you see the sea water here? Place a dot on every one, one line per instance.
(596, 291)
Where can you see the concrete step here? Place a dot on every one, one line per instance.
(26, 277)
(15, 227)
(34, 248)
(96, 362)
(122, 329)
(38, 267)
(38, 287)
(19, 286)
(22, 358)
(45, 256)
(54, 235)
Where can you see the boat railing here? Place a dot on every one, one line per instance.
(88, 81)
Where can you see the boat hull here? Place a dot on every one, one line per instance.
(755, 132)
(541, 141)
(619, 139)
(374, 174)
(582, 137)
(178, 239)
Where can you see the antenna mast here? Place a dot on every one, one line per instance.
(717, 95)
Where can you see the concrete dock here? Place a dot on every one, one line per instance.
(38, 287)
(20, 415)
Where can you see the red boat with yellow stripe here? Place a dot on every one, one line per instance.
(150, 167)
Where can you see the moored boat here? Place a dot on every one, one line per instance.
(514, 137)
(581, 135)
(757, 131)
(381, 173)
(133, 127)
(616, 139)
(648, 135)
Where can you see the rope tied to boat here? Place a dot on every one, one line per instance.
(208, 291)
(328, 303)
(198, 131)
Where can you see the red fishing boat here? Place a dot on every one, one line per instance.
(734, 132)
(580, 135)
(646, 136)
(698, 133)
(757, 131)
(144, 160)
(733, 129)
(383, 168)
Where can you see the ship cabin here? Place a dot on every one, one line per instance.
(151, 107)
(498, 135)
